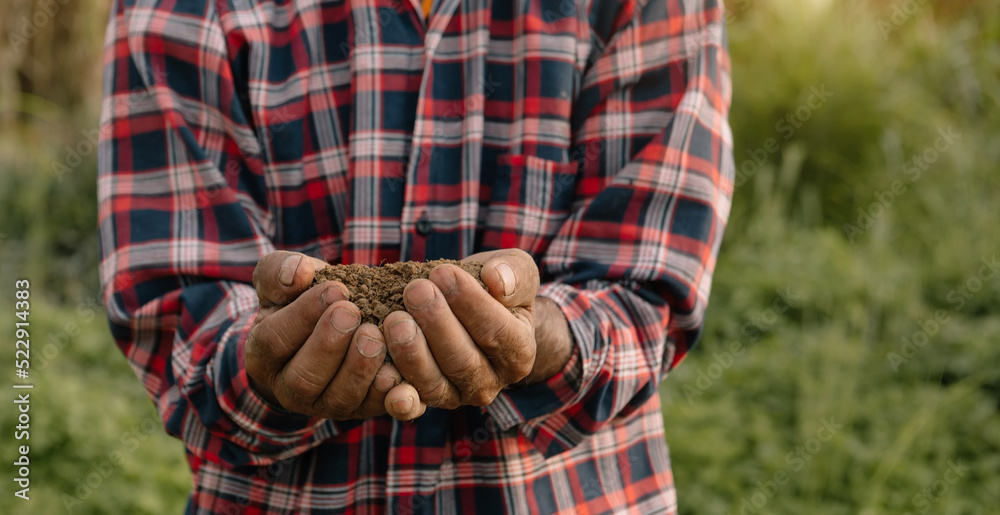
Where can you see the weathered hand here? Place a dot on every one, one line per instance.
(306, 351)
(457, 344)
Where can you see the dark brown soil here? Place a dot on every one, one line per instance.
(378, 291)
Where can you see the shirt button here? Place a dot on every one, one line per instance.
(424, 225)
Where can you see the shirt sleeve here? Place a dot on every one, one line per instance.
(182, 225)
(632, 265)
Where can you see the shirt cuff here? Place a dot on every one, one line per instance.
(263, 429)
(521, 404)
(544, 412)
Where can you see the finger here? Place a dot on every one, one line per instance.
(506, 338)
(511, 276)
(386, 379)
(456, 354)
(403, 402)
(310, 370)
(276, 337)
(350, 385)
(413, 358)
(282, 276)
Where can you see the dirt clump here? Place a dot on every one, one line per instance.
(378, 290)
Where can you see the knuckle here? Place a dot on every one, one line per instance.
(434, 395)
(338, 406)
(287, 398)
(363, 373)
(255, 278)
(525, 257)
(522, 259)
(252, 344)
(482, 397)
(490, 334)
(269, 340)
(253, 354)
(404, 352)
(519, 370)
(528, 265)
(302, 385)
(523, 358)
(521, 252)
(262, 314)
(460, 363)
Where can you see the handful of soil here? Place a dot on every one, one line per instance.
(378, 290)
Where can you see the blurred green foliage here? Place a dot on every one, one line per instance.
(804, 375)
(835, 351)
(96, 444)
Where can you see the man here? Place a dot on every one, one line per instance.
(579, 150)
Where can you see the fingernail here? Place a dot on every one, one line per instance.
(369, 347)
(403, 405)
(330, 294)
(287, 272)
(384, 383)
(402, 331)
(419, 294)
(507, 278)
(446, 280)
(344, 320)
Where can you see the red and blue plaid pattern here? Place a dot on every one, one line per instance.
(593, 134)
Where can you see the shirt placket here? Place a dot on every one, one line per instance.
(423, 221)
(411, 476)
(418, 449)
(384, 100)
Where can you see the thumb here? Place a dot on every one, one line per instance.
(281, 276)
(511, 276)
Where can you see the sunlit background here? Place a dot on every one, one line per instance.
(849, 363)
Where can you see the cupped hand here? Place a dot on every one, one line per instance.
(307, 351)
(458, 344)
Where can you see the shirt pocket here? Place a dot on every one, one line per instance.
(529, 200)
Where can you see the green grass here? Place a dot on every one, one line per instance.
(871, 423)
(96, 443)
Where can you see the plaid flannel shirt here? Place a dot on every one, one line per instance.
(592, 134)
